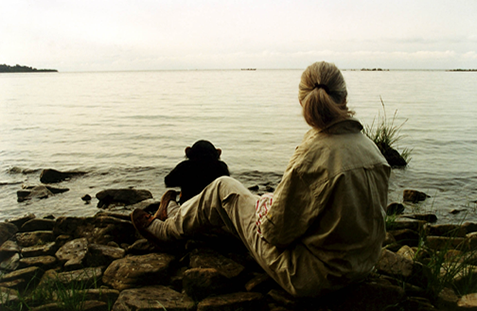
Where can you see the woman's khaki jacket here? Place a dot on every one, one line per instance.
(327, 215)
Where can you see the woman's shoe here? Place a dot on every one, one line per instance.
(166, 198)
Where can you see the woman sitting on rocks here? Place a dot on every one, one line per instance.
(323, 227)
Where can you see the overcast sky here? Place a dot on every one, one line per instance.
(98, 35)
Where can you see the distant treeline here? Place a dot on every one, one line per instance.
(462, 70)
(18, 68)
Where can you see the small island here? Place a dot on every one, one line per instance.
(463, 70)
(18, 68)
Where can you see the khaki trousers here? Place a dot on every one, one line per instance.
(227, 203)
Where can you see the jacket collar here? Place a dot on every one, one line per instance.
(343, 126)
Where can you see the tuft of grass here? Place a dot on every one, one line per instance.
(385, 133)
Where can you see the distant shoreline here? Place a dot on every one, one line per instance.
(18, 68)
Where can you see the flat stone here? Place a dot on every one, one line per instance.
(18, 284)
(406, 236)
(402, 268)
(33, 238)
(8, 249)
(122, 196)
(43, 262)
(98, 230)
(103, 255)
(414, 196)
(47, 249)
(38, 224)
(427, 217)
(468, 302)
(448, 230)
(8, 297)
(133, 271)
(19, 221)
(85, 277)
(11, 263)
(153, 298)
(211, 259)
(199, 283)
(26, 274)
(236, 301)
(406, 223)
(7, 231)
(444, 243)
(73, 253)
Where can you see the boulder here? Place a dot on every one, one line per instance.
(133, 271)
(153, 298)
(50, 176)
(122, 197)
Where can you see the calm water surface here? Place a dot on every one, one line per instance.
(128, 129)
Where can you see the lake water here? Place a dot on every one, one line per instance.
(128, 129)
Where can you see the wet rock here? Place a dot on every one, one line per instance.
(470, 227)
(43, 262)
(37, 224)
(7, 231)
(122, 196)
(47, 249)
(210, 259)
(199, 283)
(414, 196)
(28, 239)
(153, 298)
(50, 176)
(86, 198)
(392, 156)
(236, 301)
(73, 253)
(133, 271)
(38, 192)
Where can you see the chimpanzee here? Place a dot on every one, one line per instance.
(203, 165)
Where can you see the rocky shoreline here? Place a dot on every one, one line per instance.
(101, 263)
